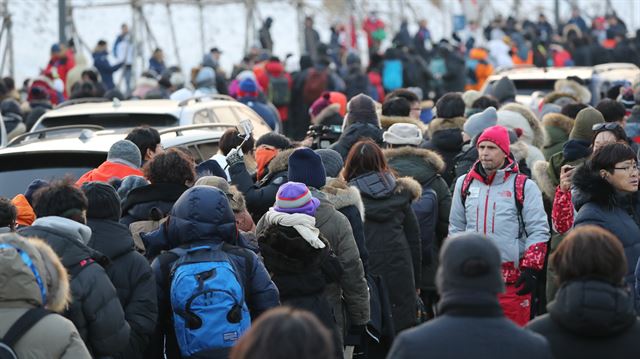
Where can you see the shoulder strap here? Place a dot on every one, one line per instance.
(248, 265)
(23, 324)
(466, 183)
(518, 190)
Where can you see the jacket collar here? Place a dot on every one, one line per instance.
(470, 304)
(501, 175)
(68, 227)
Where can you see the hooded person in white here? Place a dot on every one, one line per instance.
(513, 116)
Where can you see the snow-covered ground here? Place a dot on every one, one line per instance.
(35, 25)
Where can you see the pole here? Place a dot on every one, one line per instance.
(9, 39)
(201, 19)
(300, 15)
(62, 21)
(173, 33)
(556, 12)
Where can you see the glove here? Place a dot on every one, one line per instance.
(527, 279)
(234, 156)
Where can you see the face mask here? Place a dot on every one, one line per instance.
(264, 155)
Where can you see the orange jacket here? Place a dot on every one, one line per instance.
(26, 215)
(483, 69)
(106, 171)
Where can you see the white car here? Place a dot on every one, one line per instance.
(599, 79)
(124, 115)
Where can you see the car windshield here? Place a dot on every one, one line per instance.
(529, 86)
(17, 171)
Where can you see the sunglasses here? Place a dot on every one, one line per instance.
(605, 125)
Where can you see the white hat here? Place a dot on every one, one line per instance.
(403, 134)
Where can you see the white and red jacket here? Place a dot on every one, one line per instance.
(490, 209)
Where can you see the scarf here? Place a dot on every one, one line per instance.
(263, 157)
(304, 224)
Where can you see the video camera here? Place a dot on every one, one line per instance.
(323, 135)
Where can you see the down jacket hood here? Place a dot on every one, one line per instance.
(418, 163)
(18, 284)
(394, 193)
(329, 116)
(342, 195)
(593, 308)
(439, 124)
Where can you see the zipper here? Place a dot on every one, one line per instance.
(486, 207)
(187, 307)
(493, 218)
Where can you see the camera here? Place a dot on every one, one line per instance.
(324, 135)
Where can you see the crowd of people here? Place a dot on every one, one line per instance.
(368, 224)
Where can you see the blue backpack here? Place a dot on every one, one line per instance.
(208, 301)
(392, 74)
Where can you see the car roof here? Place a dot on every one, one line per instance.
(555, 73)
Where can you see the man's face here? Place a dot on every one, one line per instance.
(125, 29)
(491, 156)
(415, 110)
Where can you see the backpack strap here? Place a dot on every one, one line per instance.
(249, 264)
(518, 190)
(23, 324)
(464, 190)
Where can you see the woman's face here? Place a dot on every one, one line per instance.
(602, 139)
(624, 177)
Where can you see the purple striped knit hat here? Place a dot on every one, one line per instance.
(295, 197)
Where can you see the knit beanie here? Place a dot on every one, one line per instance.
(481, 121)
(130, 183)
(248, 87)
(305, 166)
(582, 128)
(626, 98)
(104, 202)
(403, 134)
(35, 185)
(331, 160)
(125, 151)
(470, 96)
(361, 108)
(274, 139)
(294, 197)
(469, 261)
(498, 135)
(504, 90)
(320, 104)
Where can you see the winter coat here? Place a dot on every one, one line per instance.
(557, 128)
(393, 239)
(199, 218)
(301, 272)
(108, 170)
(425, 166)
(54, 336)
(532, 133)
(490, 209)
(445, 138)
(470, 325)
(353, 134)
(590, 319)
(157, 66)
(347, 200)
(153, 201)
(106, 70)
(131, 275)
(261, 195)
(617, 213)
(350, 295)
(266, 112)
(26, 215)
(95, 309)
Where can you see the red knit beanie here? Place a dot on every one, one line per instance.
(498, 135)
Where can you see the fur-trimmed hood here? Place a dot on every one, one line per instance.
(329, 116)
(421, 164)
(383, 199)
(534, 134)
(280, 162)
(558, 120)
(431, 158)
(387, 121)
(519, 150)
(445, 123)
(540, 175)
(21, 286)
(554, 96)
(342, 195)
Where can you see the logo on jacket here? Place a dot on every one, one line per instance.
(506, 194)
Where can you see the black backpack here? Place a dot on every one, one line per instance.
(18, 329)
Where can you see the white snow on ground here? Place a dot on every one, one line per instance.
(35, 25)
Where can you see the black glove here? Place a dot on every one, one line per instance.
(234, 156)
(528, 279)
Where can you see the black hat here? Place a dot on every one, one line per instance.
(104, 202)
(470, 261)
(274, 139)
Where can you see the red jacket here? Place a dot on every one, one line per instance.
(108, 170)
(274, 69)
(369, 26)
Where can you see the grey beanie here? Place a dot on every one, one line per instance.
(130, 183)
(361, 108)
(469, 261)
(549, 108)
(127, 151)
(332, 161)
(481, 121)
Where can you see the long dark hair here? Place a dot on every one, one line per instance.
(365, 156)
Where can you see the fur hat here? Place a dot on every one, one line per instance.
(572, 87)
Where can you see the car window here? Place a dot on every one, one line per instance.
(112, 120)
(259, 126)
(203, 116)
(225, 115)
(17, 171)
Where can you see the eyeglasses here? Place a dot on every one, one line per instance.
(629, 169)
(605, 125)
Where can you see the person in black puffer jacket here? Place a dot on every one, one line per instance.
(95, 309)
(592, 315)
(170, 173)
(360, 122)
(129, 271)
(300, 262)
(391, 229)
